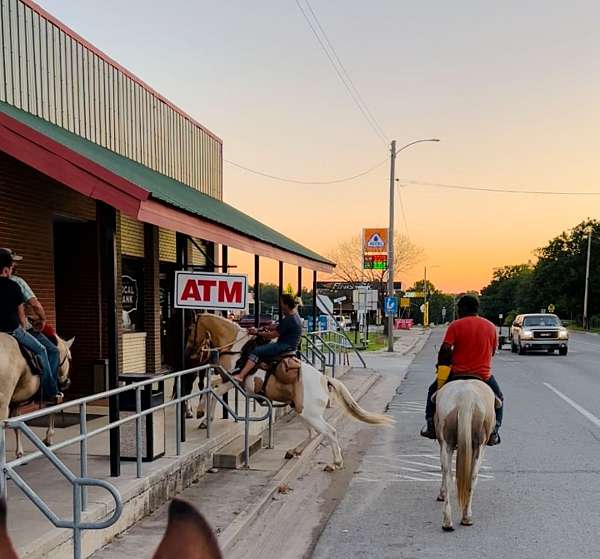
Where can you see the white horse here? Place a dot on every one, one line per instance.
(215, 331)
(464, 419)
(18, 385)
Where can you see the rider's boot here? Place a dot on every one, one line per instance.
(428, 430)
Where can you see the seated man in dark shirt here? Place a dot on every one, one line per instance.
(13, 321)
(288, 333)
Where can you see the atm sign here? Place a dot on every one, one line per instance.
(201, 290)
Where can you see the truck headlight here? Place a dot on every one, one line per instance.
(563, 334)
(527, 335)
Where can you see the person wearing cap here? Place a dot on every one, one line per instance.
(13, 321)
(36, 315)
(467, 350)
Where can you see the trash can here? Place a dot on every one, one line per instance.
(153, 424)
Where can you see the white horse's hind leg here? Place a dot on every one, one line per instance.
(467, 518)
(50, 431)
(319, 424)
(18, 439)
(446, 462)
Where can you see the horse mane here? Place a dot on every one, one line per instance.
(222, 329)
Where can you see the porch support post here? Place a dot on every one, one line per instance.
(280, 292)
(256, 290)
(225, 269)
(181, 244)
(108, 261)
(152, 298)
(314, 302)
(299, 281)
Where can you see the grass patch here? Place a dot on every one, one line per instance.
(376, 342)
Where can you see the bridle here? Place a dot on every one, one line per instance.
(205, 346)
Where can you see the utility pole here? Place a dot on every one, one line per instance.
(586, 324)
(390, 286)
(426, 308)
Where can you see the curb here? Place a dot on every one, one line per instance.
(231, 534)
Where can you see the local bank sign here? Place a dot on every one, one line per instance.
(210, 291)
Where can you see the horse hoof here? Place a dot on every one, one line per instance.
(329, 468)
(19, 455)
(202, 426)
(440, 499)
(466, 522)
(448, 528)
(289, 455)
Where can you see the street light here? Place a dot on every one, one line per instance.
(390, 286)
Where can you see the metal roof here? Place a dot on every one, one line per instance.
(165, 189)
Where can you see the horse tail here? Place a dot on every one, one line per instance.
(464, 453)
(351, 407)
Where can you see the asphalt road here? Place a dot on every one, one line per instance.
(539, 494)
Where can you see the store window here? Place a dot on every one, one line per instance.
(133, 295)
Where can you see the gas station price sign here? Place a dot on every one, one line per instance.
(375, 262)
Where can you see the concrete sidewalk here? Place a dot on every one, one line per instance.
(232, 500)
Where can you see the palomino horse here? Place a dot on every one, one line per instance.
(464, 419)
(213, 331)
(18, 385)
(188, 535)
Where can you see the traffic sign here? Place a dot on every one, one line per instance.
(414, 294)
(443, 313)
(339, 299)
(404, 303)
(391, 306)
(551, 308)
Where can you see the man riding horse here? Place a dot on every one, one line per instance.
(287, 332)
(467, 350)
(13, 320)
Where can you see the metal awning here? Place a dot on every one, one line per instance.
(140, 192)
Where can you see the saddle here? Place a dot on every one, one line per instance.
(283, 381)
(32, 360)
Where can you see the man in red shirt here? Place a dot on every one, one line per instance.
(468, 347)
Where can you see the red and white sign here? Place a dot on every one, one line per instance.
(202, 290)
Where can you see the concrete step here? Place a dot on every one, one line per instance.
(232, 456)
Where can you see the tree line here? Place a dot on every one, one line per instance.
(556, 280)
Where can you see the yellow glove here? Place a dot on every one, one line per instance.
(442, 374)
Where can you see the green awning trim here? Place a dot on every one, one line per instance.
(163, 188)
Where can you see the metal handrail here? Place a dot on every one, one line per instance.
(341, 334)
(81, 482)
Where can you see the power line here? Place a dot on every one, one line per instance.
(307, 182)
(345, 72)
(502, 190)
(372, 123)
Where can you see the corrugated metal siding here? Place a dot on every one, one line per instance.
(134, 352)
(49, 73)
(167, 245)
(132, 237)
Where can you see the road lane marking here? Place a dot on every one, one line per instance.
(575, 405)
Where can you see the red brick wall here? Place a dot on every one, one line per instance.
(30, 203)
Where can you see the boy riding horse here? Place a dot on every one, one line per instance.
(467, 350)
(13, 320)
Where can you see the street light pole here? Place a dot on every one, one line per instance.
(586, 324)
(390, 283)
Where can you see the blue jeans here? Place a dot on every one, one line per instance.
(269, 351)
(51, 350)
(49, 380)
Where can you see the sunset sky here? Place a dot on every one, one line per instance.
(511, 88)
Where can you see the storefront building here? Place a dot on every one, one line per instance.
(106, 189)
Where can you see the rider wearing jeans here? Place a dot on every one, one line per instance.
(468, 347)
(288, 333)
(13, 321)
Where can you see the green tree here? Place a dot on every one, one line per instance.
(559, 275)
(508, 293)
(437, 301)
